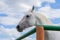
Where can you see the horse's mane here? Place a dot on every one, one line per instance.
(44, 19)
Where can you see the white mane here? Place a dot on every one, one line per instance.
(43, 19)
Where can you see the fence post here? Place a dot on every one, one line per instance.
(39, 33)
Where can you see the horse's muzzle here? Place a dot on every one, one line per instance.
(19, 29)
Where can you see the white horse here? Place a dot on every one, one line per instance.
(32, 18)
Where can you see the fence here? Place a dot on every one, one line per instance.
(46, 27)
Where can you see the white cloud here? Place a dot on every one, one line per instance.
(31, 2)
(49, 12)
(3, 6)
(55, 13)
(25, 6)
(9, 20)
(12, 7)
(13, 33)
(28, 29)
(51, 1)
(27, 38)
(5, 39)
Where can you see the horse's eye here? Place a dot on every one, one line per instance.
(27, 16)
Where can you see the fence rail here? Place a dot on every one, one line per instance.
(46, 27)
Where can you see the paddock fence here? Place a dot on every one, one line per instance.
(45, 27)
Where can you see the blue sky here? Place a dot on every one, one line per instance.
(11, 13)
(53, 5)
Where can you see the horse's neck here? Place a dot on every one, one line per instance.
(43, 19)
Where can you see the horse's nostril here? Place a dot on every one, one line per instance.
(18, 26)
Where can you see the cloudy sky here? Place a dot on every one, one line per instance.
(11, 12)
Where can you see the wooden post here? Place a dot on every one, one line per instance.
(39, 33)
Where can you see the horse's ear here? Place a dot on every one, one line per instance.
(32, 9)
